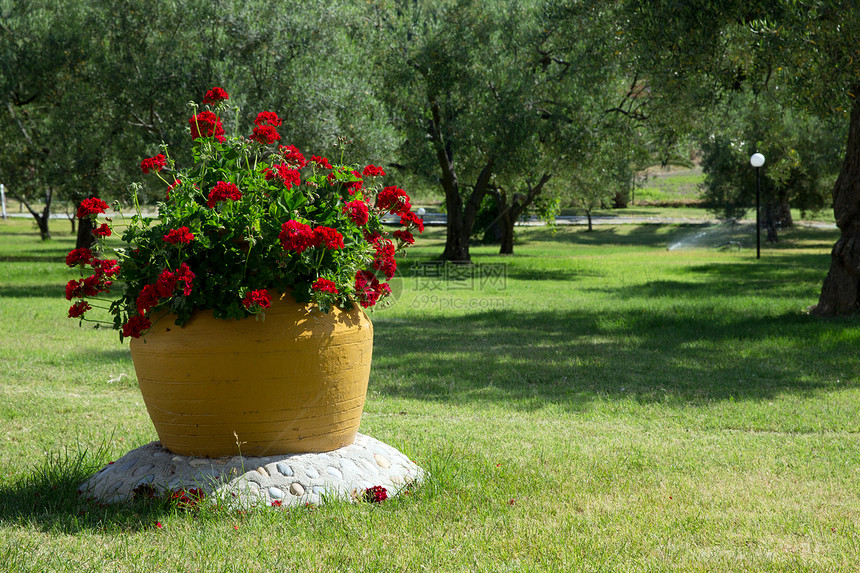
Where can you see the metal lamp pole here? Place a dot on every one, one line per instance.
(757, 160)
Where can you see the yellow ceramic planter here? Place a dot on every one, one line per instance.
(294, 382)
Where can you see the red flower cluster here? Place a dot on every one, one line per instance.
(357, 212)
(136, 326)
(265, 134)
(285, 173)
(264, 128)
(182, 235)
(81, 256)
(156, 163)
(324, 285)
(267, 118)
(354, 187)
(321, 162)
(92, 285)
(375, 494)
(408, 218)
(393, 200)
(383, 259)
(79, 308)
(405, 237)
(91, 206)
(260, 298)
(102, 230)
(215, 95)
(206, 124)
(295, 236)
(105, 267)
(373, 171)
(223, 191)
(292, 156)
(368, 289)
(331, 238)
(164, 287)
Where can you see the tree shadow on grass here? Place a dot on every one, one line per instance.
(643, 235)
(528, 360)
(45, 290)
(777, 278)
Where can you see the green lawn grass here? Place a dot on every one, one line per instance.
(595, 402)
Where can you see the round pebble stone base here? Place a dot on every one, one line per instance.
(282, 480)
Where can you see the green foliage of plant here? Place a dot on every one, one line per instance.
(246, 222)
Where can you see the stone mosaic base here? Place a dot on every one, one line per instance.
(291, 479)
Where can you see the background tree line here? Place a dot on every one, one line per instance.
(510, 105)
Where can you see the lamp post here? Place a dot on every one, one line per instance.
(757, 160)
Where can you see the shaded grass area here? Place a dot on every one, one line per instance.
(593, 403)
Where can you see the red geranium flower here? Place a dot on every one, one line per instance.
(206, 124)
(366, 288)
(182, 235)
(147, 299)
(136, 325)
(156, 163)
(321, 162)
(267, 118)
(265, 134)
(409, 218)
(393, 200)
(184, 275)
(79, 308)
(285, 173)
(324, 285)
(223, 191)
(295, 236)
(260, 298)
(375, 494)
(165, 284)
(357, 212)
(102, 230)
(355, 186)
(215, 95)
(105, 267)
(91, 206)
(384, 258)
(329, 237)
(372, 171)
(81, 257)
(405, 236)
(73, 289)
(292, 156)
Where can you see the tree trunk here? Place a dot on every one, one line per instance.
(840, 292)
(512, 213)
(770, 223)
(588, 214)
(783, 212)
(463, 221)
(507, 225)
(43, 219)
(85, 237)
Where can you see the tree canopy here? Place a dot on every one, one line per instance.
(806, 53)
